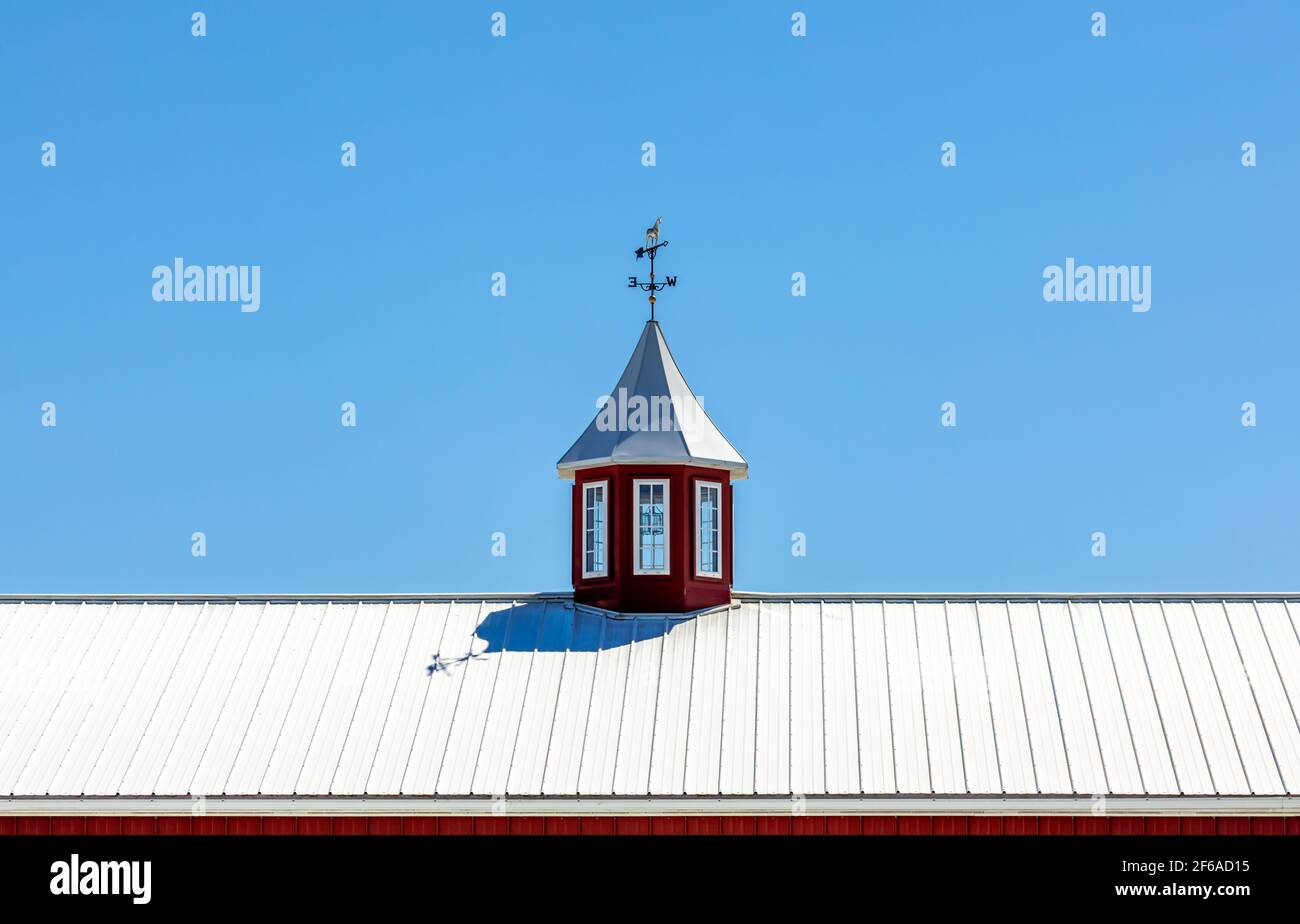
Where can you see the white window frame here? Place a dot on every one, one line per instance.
(603, 531)
(699, 532)
(636, 526)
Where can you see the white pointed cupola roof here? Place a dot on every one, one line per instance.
(652, 416)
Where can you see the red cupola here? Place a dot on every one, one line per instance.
(652, 494)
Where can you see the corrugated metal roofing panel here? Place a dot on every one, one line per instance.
(213, 769)
(448, 669)
(38, 643)
(668, 754)
(1051, 763)
(1073, 699)
(173, 704)
(273, 701)
(1181, 732)
(605, 714)
(136, 629)
(1006, 700)
(979, 743)
(1209, 714)
(190, 714)
(30, 711)
(568, 731)
(516, 647)
(875, 724)
(1250, 740)
(772, 738)
(807, 728)
(704, 723)
(1114, 735)
(28, 721)
(768, 697)
(911, 746)
(942, 725)
(1265, 683)
(636, 733)
(740, 702)
(410, 692)
(307, 698)
(840, 699)
(1277, 623)
(473, 702)
(174, 630)
(389, 663)
(533, 743)
(325, 752)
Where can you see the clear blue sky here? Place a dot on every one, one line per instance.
(774, 155)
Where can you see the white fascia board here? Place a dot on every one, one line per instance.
(738, 471)
(738, 805)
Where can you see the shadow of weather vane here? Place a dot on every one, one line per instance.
(444, 664)
(652, 245)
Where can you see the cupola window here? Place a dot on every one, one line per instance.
(594, 529)
(708, 546)
(651, 500)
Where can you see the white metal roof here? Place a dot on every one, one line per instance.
(453, 698)
(689, 437)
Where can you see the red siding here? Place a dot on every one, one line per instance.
(915, 824)
(350, 825)
(671, 824)
(244, 824)
(207, 824)
(1091, 824)
(1020, 824)
(680, 590)
(36, 824)
(1127, 825)
(633, 825)
(497, 824)
(1268, 826)
(140, 824)
(176, 824)
(703, 825)
(739, 824)
(528, 825)
(67, 824)
(808, 824)
(844, 824)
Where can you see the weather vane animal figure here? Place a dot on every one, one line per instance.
(652, 233)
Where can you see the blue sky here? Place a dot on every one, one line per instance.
(522, 155)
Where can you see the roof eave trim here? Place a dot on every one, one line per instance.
(651, 805)
(739, 470)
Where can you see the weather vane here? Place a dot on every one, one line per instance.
(652, 245)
